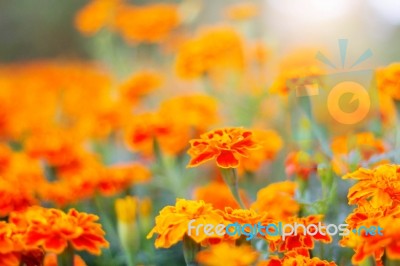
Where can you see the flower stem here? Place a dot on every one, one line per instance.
(67, 257)
(231, 179)
(190, 250)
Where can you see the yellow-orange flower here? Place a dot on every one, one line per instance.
(220, 200)
(215, 49)
(379, 186)
(227, 146)
(227, 254)
(200, 110)
(172, 222)
(388, 80)
(277, 200)
(300, 240)
(96, 15)
(151, 23)
(54, 230)
(242, 11)
(298, 257)
(298, 67)
(8, 256)
(139, 85)
(171, 135)
(119, 177)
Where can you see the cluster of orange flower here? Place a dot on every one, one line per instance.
(80, 138)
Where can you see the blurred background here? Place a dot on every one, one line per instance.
(45, 28)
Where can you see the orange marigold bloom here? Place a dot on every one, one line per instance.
(379, 186)
(226, 254)
(96, 15)
(388, 80)
(200, 110)
(227, 146)
(301, 240)
(151, 23)
(242, 11)
(298, 257)
(171, 135)
(215, 49)
(172, 222)
(139, 85)
(297, 67)
(8, 256)
(54, 230)
(270, 144)
(278, 200)
(16, 190)
(220, 200)
(119, 177)
(300, 164)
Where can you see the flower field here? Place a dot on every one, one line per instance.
(185, 119)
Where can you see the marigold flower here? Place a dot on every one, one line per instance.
(226, 254)
(388, 80)
(297, 67)
(227, 146)
(298, 257)
(220, 200)
(54, 230)
(278, 200)
(126, 209)
(242, 11)
(119, 177)
(152, 23)
(172, 136)
(172, 222)
(301, 240)
(379, 186)
(200, 110)
(214, 49)
(139, 85)
(96, 15)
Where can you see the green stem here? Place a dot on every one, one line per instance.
(231, 179)
(67, 257)
(190, 250)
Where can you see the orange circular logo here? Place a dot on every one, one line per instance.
(359, 94)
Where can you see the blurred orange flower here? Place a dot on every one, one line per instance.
(220, 200)
(172, 222)
(200, 110)
(301, 240)
(298, 257)
(227, 146)
(388, 80)
(171, 135)
(214, 49)
(227, 254)
(298, 67)
(241, 11)
(54, 230)
(139, 85)
(51, 260)
(152, 23)
(277, 199)
(379, 186)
